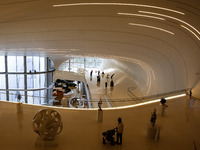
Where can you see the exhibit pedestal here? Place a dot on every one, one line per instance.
(153, 132)
(192, 102)
(50, 143)
(163, 110)
(19, 107)
(100, 115)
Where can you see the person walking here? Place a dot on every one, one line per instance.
(190, 93)
(120, 129)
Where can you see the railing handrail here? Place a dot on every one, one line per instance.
(127, 99)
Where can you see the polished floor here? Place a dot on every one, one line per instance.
(180, 128)
(81, 130)
(117, 95)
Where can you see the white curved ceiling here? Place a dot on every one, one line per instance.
(161, 33)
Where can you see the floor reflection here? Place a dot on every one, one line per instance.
(20, 119)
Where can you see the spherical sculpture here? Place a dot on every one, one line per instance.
(47, 123)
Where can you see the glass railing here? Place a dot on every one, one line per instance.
(107, 102)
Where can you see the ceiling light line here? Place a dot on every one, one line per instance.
(119, 4)
(142, 25)
(146, 12)
(140, 15)
(190, 31)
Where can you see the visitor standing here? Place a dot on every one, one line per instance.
(91, 72)
(120, 129)
(190, 93)
(106, 84)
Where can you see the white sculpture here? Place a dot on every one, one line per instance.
(47, 123)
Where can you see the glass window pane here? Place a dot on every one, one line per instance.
(11, 63)
(79, 60)
(20, 81)
(2, 62)
(20, 64)
(43, 80)
(36, 97)
(36, 81)
(43, 96)
(12, 81)
(50, 79)
(12, 97)
(42, 64)
(15, 81)
(29, 81)
(36, 61)
(29, 66)
(2, 81)
(30, 97)
(3, 95)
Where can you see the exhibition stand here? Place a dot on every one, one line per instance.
(100, 115)
(19, 107)
(153, 132)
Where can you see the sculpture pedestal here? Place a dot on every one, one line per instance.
(163, 110)
(43, 143)
(19, 107)
(153, 132)
(192, 102)
(100, 115)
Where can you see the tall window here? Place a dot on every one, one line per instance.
(36, 64)
(15, 63)
(37, 77)
(15, 81)
(2, 81)
(2, 86)
(75, 65)
(2, 62)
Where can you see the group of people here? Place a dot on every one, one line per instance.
(99, 78)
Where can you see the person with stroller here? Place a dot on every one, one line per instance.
(119, 129)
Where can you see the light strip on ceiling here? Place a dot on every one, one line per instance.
(140, 15)
(190, 31)
(119, 4)
(152, 13)
(147, 26)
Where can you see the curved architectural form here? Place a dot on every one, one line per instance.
(127, 31)
(155, 42)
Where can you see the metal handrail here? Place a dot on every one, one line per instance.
(128, 99)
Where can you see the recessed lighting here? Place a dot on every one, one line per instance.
(190, 31)
(140, 15)
(119, 4)
(171, 18)
(147, 26)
